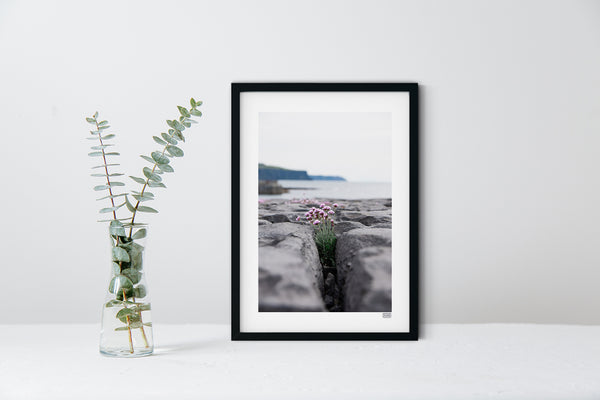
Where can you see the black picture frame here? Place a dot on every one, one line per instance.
(237, 90)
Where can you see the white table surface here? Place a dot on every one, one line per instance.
(199, 361)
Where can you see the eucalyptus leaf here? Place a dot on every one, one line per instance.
(178, 125)
(135, 253)
(114, 196)
(140, 292)
(117, 184)
(112, 219)
(175, 151)
(146, 193)
(101, 187)
(156, 184)
(133, 275)
(145, 307)
(116, 228)
(186, 124)
(138, 180)
(149, 159)
(103, 166)
(192, 102)
(116, 268)
(111, 209)
(134, 324)
(102, 123)
(119, 254)
(160, 158)
(165, 167)
(195, 112)
(101, 147)
(159, 140)
(148, 324)
(95, 154)
(143, 197)
(151, 175)
(113, 303)
(120, 282)
(183, 111)
(130, 207)
(114, 153)
(141, 233)
(122, 328)
(91, 120)
(104, 127)
(123, 315)
(115, 174)
(110, 136)
(179, 136)
(168, 138)
(146, 209)
(96, 115)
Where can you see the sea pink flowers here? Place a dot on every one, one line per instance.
(321, 218)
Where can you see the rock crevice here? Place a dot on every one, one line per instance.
(291, 277)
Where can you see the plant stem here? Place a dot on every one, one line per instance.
(112, 200)
(128, 327)
(142, 328)
(144, 188)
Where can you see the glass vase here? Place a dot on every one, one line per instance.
(126, 314)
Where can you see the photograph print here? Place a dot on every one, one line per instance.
(331, 180)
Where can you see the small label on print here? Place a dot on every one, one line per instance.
(386, 315)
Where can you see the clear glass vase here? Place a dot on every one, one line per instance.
(126, 315)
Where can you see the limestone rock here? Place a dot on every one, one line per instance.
(369, 282)
(290, 275)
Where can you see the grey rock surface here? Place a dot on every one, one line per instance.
(349, 243)
(369, 282)
(290, 275)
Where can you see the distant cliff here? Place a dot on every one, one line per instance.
(326, 178)
(272, 173)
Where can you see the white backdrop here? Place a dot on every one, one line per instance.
(510, 118)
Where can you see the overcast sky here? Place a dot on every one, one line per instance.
(357, 146)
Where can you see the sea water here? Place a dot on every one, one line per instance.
(332, 190)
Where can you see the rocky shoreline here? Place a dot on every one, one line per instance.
(291, 277)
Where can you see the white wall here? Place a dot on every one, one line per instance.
(510, 118)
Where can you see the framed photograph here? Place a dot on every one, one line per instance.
(325, 222)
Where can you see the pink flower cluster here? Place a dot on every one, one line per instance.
(322, 215)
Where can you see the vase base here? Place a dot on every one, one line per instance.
(126, 353)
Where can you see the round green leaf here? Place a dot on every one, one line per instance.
(168, 138)
(140, 292)
(116, 228)
(146, 209)
(151, 175)
(159, 158)
(138, 180)
(159, 140)
(165, 167)
(175, 151)
(120, 283)
(133, 275)
(139, 234)
(120, 254)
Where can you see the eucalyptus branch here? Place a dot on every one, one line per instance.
(100, 151)
(160, 159)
